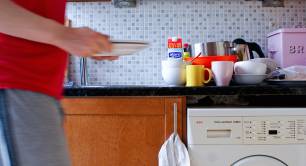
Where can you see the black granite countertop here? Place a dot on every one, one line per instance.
(139, 90)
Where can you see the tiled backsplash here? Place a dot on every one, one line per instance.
(156, 20)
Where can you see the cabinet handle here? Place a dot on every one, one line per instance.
(175, 118)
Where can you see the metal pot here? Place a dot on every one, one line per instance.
(218, 48)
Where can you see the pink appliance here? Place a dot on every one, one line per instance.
(288, 46)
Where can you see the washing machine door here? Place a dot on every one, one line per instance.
(259, 160)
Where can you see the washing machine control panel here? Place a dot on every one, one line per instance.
(247, 130)
(274, 130)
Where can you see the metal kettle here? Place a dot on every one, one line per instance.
(244, 50)
(241, 51)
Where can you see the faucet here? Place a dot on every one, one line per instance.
(83, 70)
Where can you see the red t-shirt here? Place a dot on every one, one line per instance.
(31, 65)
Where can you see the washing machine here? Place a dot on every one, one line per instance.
(247, 136)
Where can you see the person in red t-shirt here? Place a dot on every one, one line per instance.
(33, 58)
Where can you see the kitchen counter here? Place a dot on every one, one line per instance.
(135, 90)
(140, 117)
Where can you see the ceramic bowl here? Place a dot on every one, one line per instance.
(249, 67)
(174, 72)
(271, 64)
(173, 63)
(249, 79)
(174, 76)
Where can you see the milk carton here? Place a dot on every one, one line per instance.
(175, 48)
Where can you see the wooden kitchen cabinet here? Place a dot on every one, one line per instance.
(120, 131)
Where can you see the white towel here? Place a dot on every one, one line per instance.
(173, 153)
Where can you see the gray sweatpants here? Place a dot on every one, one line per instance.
(31, 132)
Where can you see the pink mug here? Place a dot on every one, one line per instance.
(222, 72)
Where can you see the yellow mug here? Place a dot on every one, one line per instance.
(195, 75)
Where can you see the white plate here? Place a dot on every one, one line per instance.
(125, 47)
(286, 82)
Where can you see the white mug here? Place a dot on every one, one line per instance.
(222, 72)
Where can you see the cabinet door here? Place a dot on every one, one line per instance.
(119, 131)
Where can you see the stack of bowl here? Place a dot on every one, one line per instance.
(249, 72)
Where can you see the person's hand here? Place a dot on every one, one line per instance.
(84, 42)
